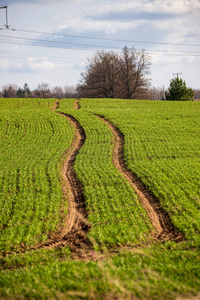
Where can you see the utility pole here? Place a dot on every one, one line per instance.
(177, 74)
(6, 8)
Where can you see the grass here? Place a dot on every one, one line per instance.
(159, 272)
(114, 211)
(32, 142)
(161, 146)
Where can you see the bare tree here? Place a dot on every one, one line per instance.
(43, 90)
(156, 93)
(111, 75)
(10, 90)
(101, 76)
(70, 91)
(57, 92)
(197, 94)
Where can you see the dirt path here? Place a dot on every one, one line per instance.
(73, 231)
(163, 227)
(56, 105)
(77, 104)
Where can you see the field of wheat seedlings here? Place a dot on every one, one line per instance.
(99, 199)
(32, 141)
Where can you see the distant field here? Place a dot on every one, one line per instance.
(125, 253)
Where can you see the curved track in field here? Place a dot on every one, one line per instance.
(163, 228)
(77, 104)
(73, 231)
(56, 105)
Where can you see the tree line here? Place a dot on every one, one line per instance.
(43, 90)
(109, 74)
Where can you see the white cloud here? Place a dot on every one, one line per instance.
(7, 65)
(40, 65)
(109, 27)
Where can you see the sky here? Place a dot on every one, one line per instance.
(51, 41)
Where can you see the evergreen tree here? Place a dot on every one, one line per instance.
(178, 91)
(26, 90)
(20, 93)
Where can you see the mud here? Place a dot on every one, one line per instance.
(73, 231)
(56, 105)
(77, 104)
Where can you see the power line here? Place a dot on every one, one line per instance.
(177, 74)
(60, 59)
(89, 45)
(48, 46)
(106, 39)
(57, 42)
(88, 49)
(153, 52)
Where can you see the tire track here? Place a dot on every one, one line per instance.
(77, 224)
(77, 104)
(163, 228)
(73, 232)
(56, 105)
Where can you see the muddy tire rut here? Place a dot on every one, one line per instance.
(77, 226)
(163, 228)
(77, 104)
(74, 230)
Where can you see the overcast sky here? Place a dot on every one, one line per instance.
(168, 30)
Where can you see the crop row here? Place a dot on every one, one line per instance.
(32, 143)
(114, 211)
(162, 148)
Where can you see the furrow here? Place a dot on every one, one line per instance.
(73, 232)
(163, 228)
(77, 104)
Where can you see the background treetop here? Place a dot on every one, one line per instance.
(116, 75)
(178, 91)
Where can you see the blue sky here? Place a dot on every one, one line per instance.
(168, 30)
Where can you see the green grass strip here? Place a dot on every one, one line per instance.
(32, 142)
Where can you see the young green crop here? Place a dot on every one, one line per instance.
(32, 142)
(158, 151)
(116, 215)
(162, 148)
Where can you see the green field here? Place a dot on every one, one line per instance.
(125, 262)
